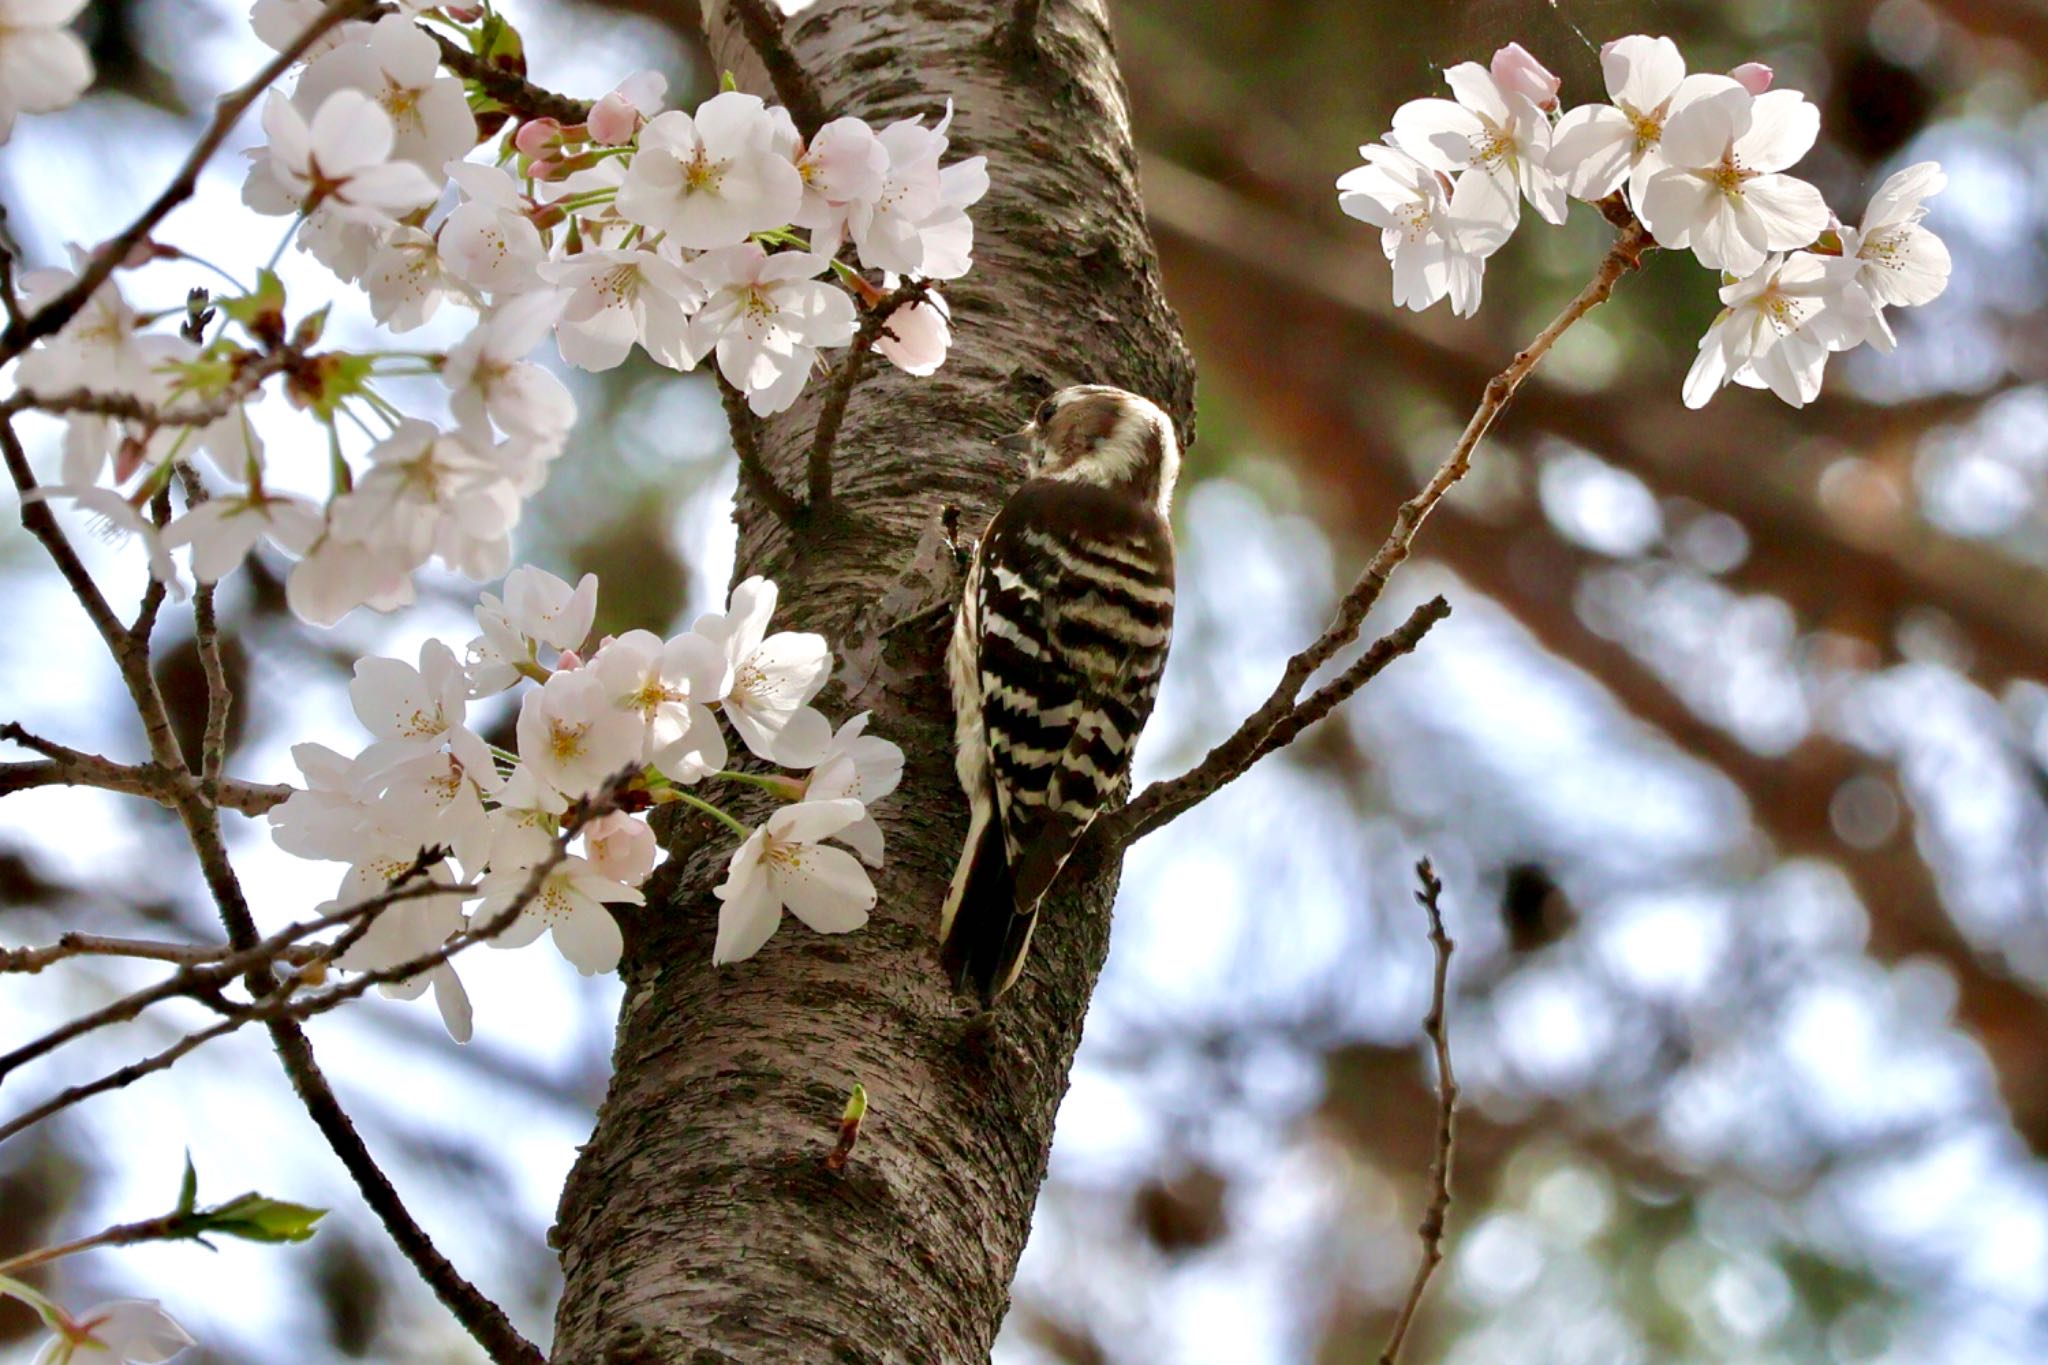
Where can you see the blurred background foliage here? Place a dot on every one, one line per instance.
(1734, 759)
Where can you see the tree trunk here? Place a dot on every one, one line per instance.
(700, 1223)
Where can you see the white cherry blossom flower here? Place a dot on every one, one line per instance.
(573, 737)
(918, 224)
(1516, 71)
(621, 847)
(338, 575)
(1723, 192)
(860, 767)
(406, 930)
(1436, 250)
(339, 161)
(782, 864)
(1901, 264)
(118, 1332)
(618, 298)
(325, 818)
(398, 66)
(43, 65)
(438, 799)
(537, 608)
(666, 685)
(414, 711)
(570, 905)
(710, 180)
(766, 317)
(844, 165)
(1486, 131)
(223, 529)
(422, 479)
(343, 244)
(527, 807)
(406, 279)
(1778, 328)
(490, 380)
(769, 679)
(490, 241)
(1597, 148)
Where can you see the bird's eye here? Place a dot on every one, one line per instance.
(1045, 412)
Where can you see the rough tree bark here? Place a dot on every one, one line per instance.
(700, 1223)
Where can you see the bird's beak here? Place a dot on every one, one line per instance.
(1017, 443)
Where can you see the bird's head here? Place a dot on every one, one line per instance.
(1092, 433)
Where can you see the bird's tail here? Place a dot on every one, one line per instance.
(984, 937)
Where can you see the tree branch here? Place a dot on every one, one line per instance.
(20, 335)
(832, 413)
(213, 746)
(793, 85)
(1020, 30)
(1431, 1229)
(32, 960)
(746, 444)
(71, 768)
(508, 88)
(1250, 741)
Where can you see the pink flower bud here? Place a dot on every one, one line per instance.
(620, 847)
(463, 14)
(1754, 77)
(544, 170)
(537, 136)
(569, 659)
(1518, 73)
(613, 121)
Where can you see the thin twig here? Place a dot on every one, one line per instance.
(1431, 1229)
(213, 747)
(66, 767)
(19, 335)
(1237, 753)
(508, 88)
(746, 444)
(832, 413)
(154, 589)
(33, 960)
(793, 85)
(203, 980)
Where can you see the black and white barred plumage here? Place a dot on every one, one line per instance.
(1055, 660)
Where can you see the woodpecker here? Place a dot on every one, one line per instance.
(1055, 659)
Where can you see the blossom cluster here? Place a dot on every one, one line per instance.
(1701, 159)
(720, 234)
(637, 718)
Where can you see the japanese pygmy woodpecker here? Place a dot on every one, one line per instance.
(1055, 660)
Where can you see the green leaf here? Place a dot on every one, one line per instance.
(259, 1218)
(188, 1188)
(727, 82)
(260, 313)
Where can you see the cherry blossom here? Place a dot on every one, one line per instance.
(616, 117)
(766, 317)
(406, 279)
(665, 685)
(1437, 251)
(1486, 132)
(573, 737)
(917, 336)
(782, 865)
(421, 480)
(709, 180)
(414, 711)
(621, 847)
(917, 224)
(280, 22)
(861, 767)
(43, 65)
(324, 819)
(1516, 71)
(338, 575)
(1901, 263)
(490, 380)
(340, 161)
(769, 679)
(406, 930)
(118, 516)
(570, 905)
(223, 529)
(398, 66)
(118, 1332)
(537, 608)
(1598, 148)
(844, 165)
(439, 799)
(1778, 327)
(618, 298)
(1723, 193)
(489, 241)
